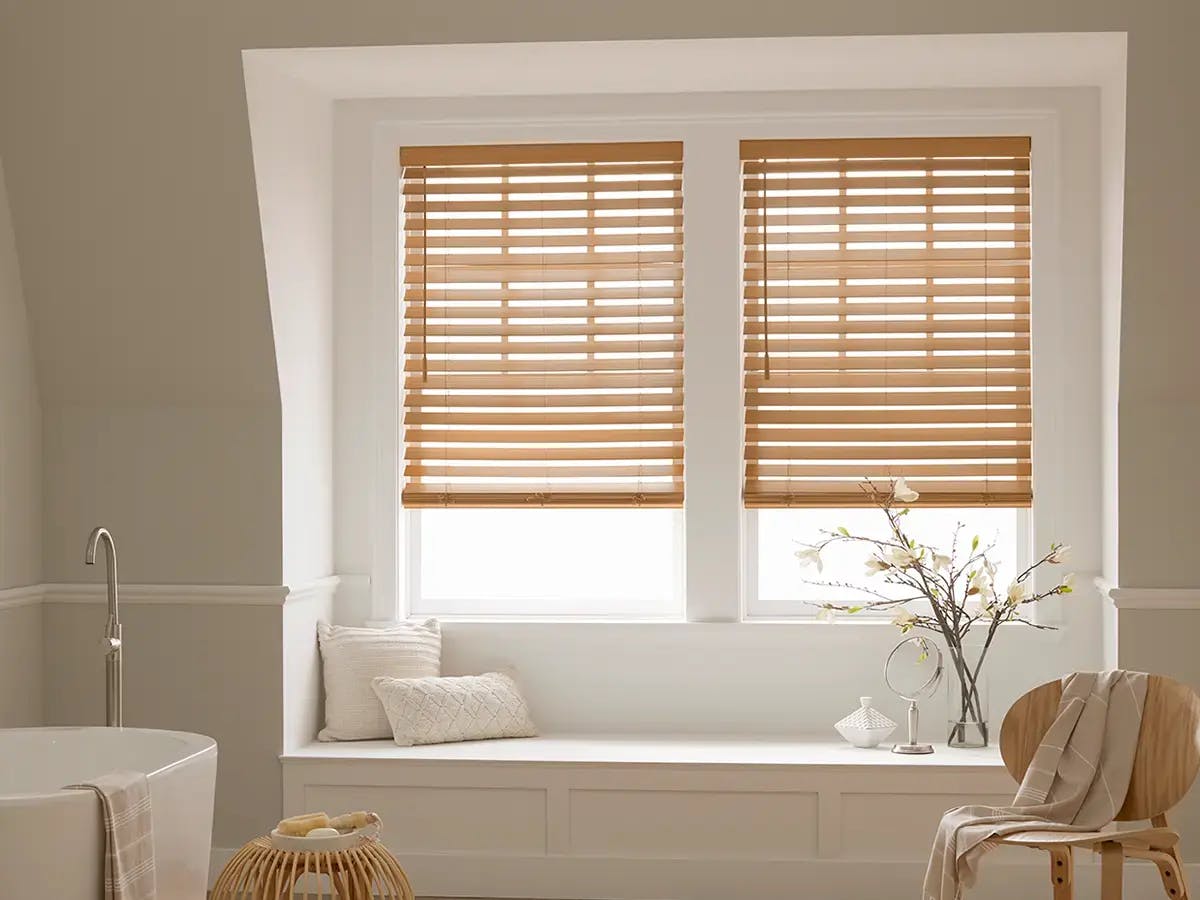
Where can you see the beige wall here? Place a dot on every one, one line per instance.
(20, 423)
(21, 685)
(182, 489)
(212, 668)
(139, 243)
(20, 495)
(125, 135)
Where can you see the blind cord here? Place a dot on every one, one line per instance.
(766, 310)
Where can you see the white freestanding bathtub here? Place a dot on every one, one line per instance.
(51, 840)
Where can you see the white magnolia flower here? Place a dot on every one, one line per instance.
(1067, 585)
(903, 619)
(1059, 554)
(826, 614)
(941, 561)
(902, 492)
(875, 565)
(901, 557)
(1018, 593)
(810, 556)
(981, 585)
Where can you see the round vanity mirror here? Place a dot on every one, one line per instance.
(913, 670)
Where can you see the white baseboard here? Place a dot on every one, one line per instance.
(611, 878)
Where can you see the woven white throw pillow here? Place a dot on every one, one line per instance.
(351, 657)
(461, 708)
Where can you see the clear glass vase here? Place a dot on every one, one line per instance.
(967, 696)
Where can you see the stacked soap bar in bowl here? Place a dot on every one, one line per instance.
(321, 825)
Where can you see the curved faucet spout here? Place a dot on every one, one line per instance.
(100, 533)
(112, 629)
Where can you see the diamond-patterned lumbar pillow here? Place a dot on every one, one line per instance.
(461, 708)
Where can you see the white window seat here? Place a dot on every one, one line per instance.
(655, 750)
(636, 816)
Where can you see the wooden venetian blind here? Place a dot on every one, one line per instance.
(543, 339)
(886, 319)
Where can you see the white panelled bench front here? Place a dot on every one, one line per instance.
(660, 818)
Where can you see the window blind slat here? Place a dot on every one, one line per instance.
(754, 219)
(886, 327)
(777, 199)
(666, 206)
(887, 379)
(541, 454)
(575, 218)
(448, 383)
(884, 362)
(865, 165)
(618, 329)
(881, 453)
(572, 472)
(491, 241)
(887, 319)
(543, 324)
(439, 309)
(560, 495)
(538, 401)
(646, 362)
(755, 471)
(444, 296)
(893, 398)
(610, 435)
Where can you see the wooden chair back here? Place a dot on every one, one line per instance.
(1168, 752)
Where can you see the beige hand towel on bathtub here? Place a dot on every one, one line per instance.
(1076, 781)
(128, 834)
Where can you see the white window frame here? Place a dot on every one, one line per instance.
(717, 562)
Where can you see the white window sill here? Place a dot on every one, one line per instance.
(655, 750)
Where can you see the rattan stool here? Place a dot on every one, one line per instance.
(353, 866)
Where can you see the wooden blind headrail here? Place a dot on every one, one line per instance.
(887, 319)
(554, 154)
(543, 325)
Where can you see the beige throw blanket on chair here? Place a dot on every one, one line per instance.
(1076, 781)
(128, 834)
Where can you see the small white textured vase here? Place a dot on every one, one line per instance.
(865, 727)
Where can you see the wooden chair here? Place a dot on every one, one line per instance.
(1164, 767)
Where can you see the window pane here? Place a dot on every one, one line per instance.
(782, 590)
(551, 562)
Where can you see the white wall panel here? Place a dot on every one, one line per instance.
(474, 820)
(693, 824)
